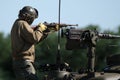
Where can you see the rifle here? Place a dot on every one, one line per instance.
(55, 26)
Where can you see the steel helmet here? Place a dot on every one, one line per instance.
(28, 14)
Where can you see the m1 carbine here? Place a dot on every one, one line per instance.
(55, 26)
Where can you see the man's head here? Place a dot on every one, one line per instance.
(28, 14)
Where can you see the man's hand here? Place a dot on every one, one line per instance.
(53, 28)
(42, 27)
(57, 27)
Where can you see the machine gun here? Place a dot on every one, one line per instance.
(83, 38)
(86, 39)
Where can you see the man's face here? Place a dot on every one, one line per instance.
(30, 21)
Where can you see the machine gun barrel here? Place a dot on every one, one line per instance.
(108, 36)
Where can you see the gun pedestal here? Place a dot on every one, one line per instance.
(83, 39)
(91, 61)
(58, 60)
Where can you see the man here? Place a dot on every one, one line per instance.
(23, 39)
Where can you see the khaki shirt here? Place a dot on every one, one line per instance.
(23, 38)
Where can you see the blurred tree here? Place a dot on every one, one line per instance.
(5, 58)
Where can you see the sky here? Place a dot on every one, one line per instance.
(104, 13)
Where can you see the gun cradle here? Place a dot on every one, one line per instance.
(77, 39)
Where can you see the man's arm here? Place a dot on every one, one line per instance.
(29, 35)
